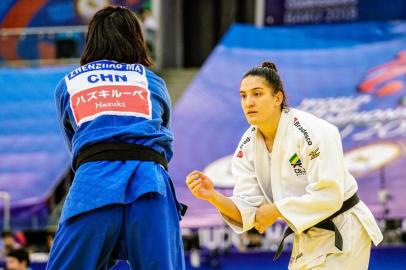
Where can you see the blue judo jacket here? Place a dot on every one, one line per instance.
(106, 101)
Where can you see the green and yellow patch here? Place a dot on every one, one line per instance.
(294, 160)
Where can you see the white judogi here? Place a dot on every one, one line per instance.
(308, 182)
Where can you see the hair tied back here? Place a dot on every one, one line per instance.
(269, 65)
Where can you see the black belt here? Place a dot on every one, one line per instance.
(113, 151)
(326, 224)
(119, 151)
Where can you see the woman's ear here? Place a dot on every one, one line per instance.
(279, 98)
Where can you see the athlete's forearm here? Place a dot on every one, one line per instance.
(226, 206)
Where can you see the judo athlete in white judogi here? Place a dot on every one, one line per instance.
(289, 165)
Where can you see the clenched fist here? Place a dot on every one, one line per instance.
(200, 185)
(266, 216)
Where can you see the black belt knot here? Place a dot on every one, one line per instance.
(326, 224)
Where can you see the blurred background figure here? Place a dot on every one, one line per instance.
(50, 240)
(251, 239)
(8, 244)
(18, 259)
(150, 27)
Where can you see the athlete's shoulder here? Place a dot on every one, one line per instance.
(61, 86)
(250, 131)
(153, 78)
(311, 128)
(309, 120)
(247, 136)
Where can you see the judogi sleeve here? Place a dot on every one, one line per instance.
(247, 195)
(166, 116)
(164, 109)
(62, 108)
(324, 163)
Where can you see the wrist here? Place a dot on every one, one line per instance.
(276, 211)
(214, 197)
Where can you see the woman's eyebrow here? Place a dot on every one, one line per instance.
(255, 88)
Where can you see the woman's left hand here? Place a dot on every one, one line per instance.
(266, 216)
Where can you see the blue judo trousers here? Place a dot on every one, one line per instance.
(144, 232)
(117, 209)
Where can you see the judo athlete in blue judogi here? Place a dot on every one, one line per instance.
(115, 114)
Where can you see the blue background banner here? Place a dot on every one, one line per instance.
(33, 156)
(28, 13)
(19, 44)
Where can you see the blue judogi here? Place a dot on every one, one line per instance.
(123, 209)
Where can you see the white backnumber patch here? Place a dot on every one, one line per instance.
(109, 93)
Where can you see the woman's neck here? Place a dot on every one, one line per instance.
(269, 129)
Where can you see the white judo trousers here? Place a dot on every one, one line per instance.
(354, 258)
(308, 182)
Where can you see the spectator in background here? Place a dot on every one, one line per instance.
(18, 259)
(8, 244)
(50, 240)
(149, 27)
(251, 239)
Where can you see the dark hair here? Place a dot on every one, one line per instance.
(114, 33)
(269, 72)
(20, 254)
(5, 234)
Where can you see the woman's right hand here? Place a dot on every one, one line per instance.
(200, 185)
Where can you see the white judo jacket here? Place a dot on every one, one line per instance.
(306, 179)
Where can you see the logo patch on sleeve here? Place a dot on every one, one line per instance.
(314, 154)
(240, 154)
